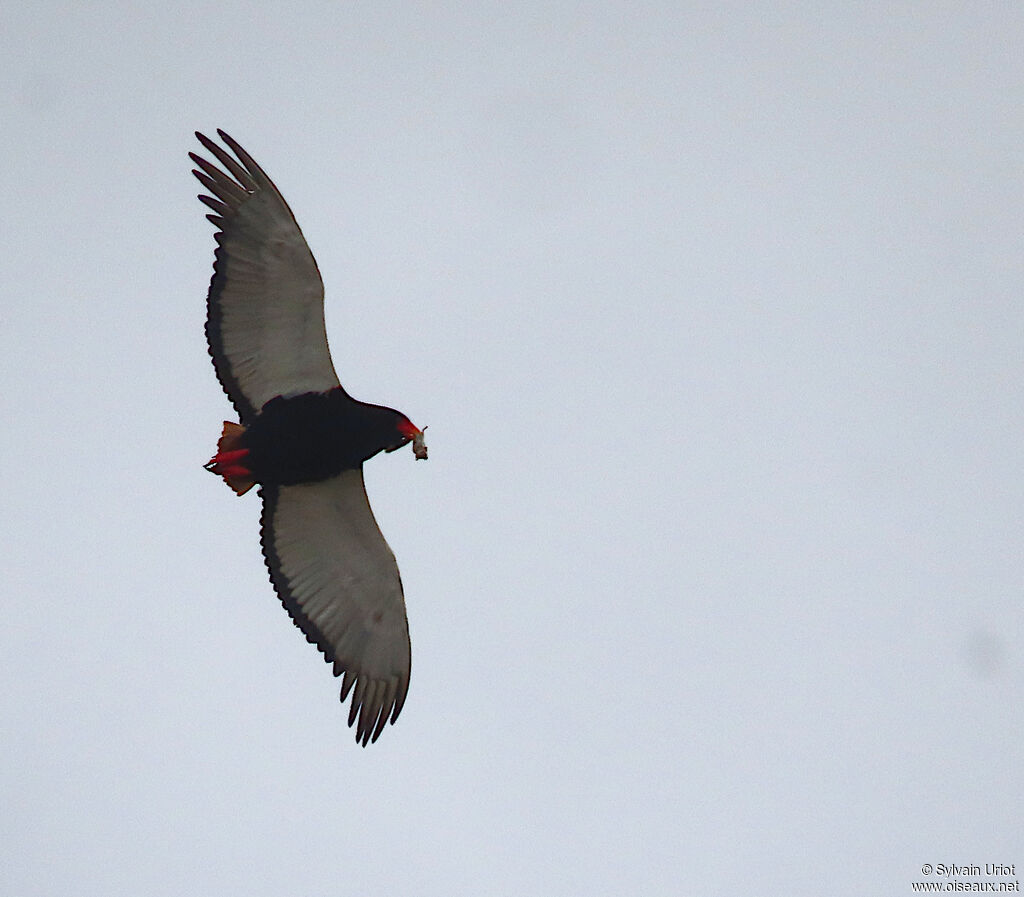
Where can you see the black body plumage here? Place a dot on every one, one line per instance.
(316, 435)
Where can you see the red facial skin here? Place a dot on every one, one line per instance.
(407, 428)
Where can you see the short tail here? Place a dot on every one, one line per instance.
(228, 462)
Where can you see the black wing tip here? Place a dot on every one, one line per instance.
(202, 138)
(381, 704)
(221, 133)
(373, 715)
(231, 142)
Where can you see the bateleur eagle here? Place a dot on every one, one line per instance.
(302, 438)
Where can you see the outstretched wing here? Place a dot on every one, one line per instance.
(338, 579)
(265, 308)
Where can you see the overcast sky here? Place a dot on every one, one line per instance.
(714, 575)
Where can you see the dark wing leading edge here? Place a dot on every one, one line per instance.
(265, 308)
(338, 579)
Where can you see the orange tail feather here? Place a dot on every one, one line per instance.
(227, 462)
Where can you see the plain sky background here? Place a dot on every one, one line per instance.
(714, 574)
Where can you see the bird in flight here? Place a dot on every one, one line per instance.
(302, 439)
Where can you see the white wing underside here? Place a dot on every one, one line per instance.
(265, 309)
(338, 578)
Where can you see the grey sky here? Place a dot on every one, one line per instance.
(714, 575)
